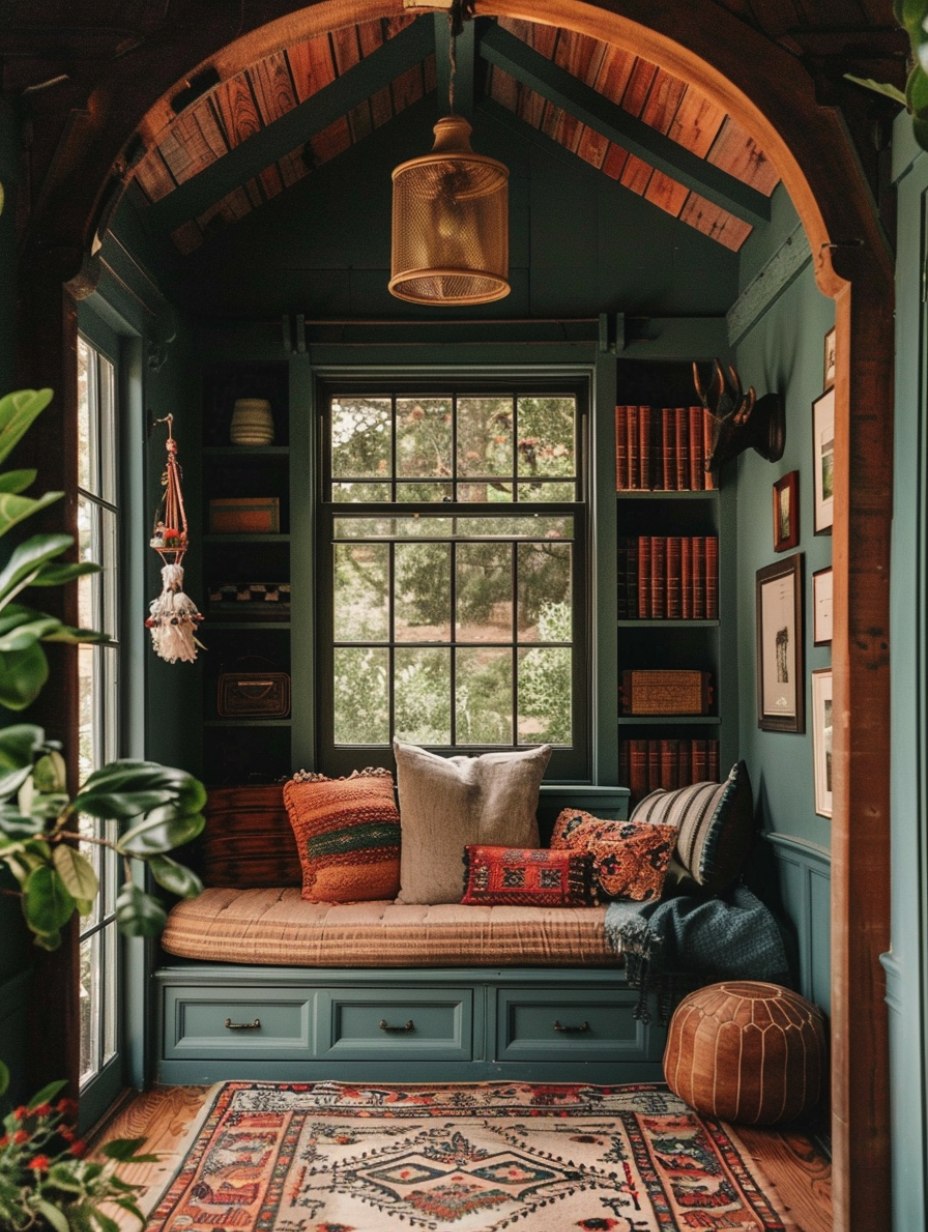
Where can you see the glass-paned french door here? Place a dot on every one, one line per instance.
(98, 689)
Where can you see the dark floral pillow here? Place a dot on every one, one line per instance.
(630, 858)
(525, 877)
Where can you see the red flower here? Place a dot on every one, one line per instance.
(5, 1140)
(67, 1107)
(39, 1164)
(42, 1110)
(67, 1133)
(20, 1137)
(78, 1148)
(20, 1113)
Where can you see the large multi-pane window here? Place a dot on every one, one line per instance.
(98, 695)
(454, 532)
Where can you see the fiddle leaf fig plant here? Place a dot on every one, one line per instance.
(45, 838)
(912, 15)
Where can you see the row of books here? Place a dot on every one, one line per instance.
(668, 577)
(663, 449)
(645, 765)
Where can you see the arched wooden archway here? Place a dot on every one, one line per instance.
(767, 90)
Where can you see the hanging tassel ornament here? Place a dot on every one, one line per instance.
(173, 616)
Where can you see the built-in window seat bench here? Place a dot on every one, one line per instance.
(256, 982)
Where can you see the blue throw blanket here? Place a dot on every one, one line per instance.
(690, 940)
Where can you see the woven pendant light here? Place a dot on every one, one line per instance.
(450, 216)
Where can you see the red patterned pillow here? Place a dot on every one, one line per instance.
(525, 877)
(347, 835)
(630, 858)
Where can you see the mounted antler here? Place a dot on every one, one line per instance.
(740, 420)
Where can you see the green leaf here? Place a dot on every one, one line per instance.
(52, 1216)
(916, 91)
(138, 914)
(174, 877)
(128, 1205)
(879, 87)
(46, 941)
(103, 1222)
(18, 411)
(16, 825)
(48, 1093)
(50, 773)
(163, 830)
(4, 1077)
(126, 788)
(15, 509)
(57, 575)
(47, 905)
(17, 481)
(28, 557)
(19, 745)
(76, 872)
(125, 1150)
(23, 674)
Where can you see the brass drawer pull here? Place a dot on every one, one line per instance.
(243, 1026)
(409, 1025)
(583, 1026)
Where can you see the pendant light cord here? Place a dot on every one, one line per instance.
(454, 26)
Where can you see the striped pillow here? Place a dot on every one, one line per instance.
(714, 823)
(347, 835)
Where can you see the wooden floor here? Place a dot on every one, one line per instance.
(799, 1174)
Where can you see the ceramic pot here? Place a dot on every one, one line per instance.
(252, 422)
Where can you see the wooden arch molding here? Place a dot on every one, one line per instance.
(768, 91)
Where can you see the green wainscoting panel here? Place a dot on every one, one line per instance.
(804, 891)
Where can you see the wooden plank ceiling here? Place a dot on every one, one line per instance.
(680, 151)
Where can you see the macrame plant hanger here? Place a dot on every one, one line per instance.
(173, 616)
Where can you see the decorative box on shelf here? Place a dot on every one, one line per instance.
(253, 694)
(666, 691)
(250, 600)
(244, 515)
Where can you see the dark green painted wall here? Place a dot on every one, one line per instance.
(782, 351)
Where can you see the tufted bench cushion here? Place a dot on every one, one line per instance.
(277, 927)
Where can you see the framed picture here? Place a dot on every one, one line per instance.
(780, 665)
(821, 740)
(821, 606)
(823, 459)
(830, 364)
(786, 512)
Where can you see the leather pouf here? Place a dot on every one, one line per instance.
(747, 1052)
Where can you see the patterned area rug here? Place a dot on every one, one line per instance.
(483, 1157)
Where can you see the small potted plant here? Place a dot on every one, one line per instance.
(47, 1178)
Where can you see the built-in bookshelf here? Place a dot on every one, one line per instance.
(246, 572)
(669, 545)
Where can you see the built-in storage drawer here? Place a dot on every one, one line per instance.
(245, 1023)
(594, 1024)
(382, 1023)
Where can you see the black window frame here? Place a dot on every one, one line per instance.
(572, 763)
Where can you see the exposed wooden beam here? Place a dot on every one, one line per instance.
(410, 47)
(509, 53)
(530, 136)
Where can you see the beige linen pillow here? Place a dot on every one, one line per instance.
(447, 803)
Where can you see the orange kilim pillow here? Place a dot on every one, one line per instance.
(525, 877)
(347, 835)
